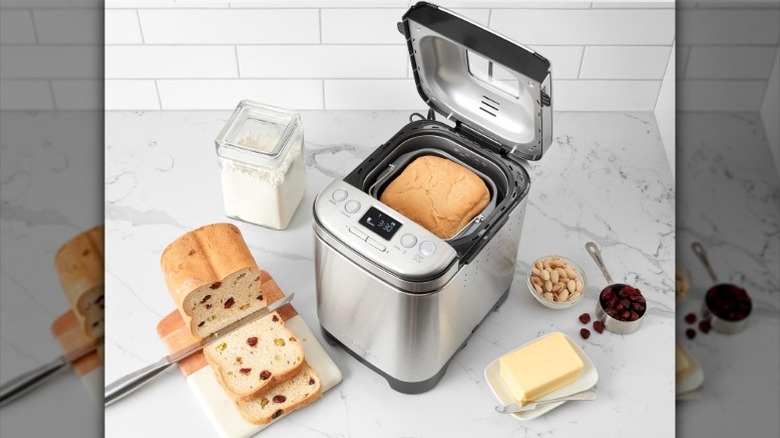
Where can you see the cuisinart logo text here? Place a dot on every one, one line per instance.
(361, 350)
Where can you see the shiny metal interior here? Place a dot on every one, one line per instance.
(395, 168)
(512, 119)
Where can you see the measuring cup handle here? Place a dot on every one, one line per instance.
(594, 252)
(701, 254)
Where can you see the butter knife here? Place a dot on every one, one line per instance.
(515, 408)
(20, 385)
(123, 386)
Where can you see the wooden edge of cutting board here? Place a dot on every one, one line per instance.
(67, 332)
(175, 335)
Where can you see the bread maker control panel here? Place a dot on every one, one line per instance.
(380, 233)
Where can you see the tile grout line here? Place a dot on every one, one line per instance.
(582, 61)
(51, 91)
(159, 98)
(140, 27)
(324, 107)
(238, 62)
(319, 14)
(35, 28)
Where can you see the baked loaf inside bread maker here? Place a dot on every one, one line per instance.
(439, 194)
(212, 277)
(79, 263)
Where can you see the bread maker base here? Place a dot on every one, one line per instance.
(410, 387)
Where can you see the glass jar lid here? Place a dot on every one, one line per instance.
(257, 134)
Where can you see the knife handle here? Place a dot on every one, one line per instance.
(20, 385)
(131, 382)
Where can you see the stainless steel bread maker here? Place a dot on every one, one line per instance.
(397, 297)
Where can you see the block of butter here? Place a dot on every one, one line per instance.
(540, 367)
(682, 364)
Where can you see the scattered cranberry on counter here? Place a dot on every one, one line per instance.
(598, 326)
(585, 318)
(585, 333)
(690, 333)
(704, 327)
(690, 318)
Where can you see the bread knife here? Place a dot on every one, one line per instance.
(123, 386)
(20, 385)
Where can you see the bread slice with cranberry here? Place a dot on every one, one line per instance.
(80, 266)
(212, 277)
(281, 399)
(255, 356)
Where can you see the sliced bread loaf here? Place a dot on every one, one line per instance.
(296, 392)
(255, 356)
(79, 263)
(212, 277)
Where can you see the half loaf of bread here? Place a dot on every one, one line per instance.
(79, 263)
(212, 277)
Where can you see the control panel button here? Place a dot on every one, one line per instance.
(408, 240)
(339, 195)
(352, 206)
(355, 231)
(427, 248)
(375, 244)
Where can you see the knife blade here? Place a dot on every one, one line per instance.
(123, 386)
(22, 384)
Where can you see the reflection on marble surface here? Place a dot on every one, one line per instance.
(729, 200)
(605, 179)
(51, 171)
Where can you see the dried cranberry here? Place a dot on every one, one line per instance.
(625, 315)
(585, 333)
(260, 297)
(585, 318)
(245, 370)
(257, 278)
(311, 380)
(265, 374)
(690, 318)
(704, 326)
(633, 316)
(625, 303)
(216, 285)
(229, 303)
(279, 399)
(639, 307)
(690, 333)
(251, 341)
(200, 324)
(598, 326)
(206, 298)
(208, 306)
(607, 294)
(275, 318)
(620, 308)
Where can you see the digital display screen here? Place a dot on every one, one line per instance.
(380, 223)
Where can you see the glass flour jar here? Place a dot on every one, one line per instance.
(260, 152)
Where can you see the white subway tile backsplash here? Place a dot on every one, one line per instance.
(729, 27)
(16, 27)
(41, 61)
(714, 62)
(125, 62)
(564, 60)
(256, 26)
(301, 94)
(395, 94)
(122, 27)
(322, 61)
(38, 4)
(25, 95)
(131, 94)
(702, 95)
(683, 53)
(165, 4)
(361, 26)
(615, 95)
(78, 94)
(625, 62)
(587, 27)
(63, 26)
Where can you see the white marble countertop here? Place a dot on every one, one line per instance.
(605, 179)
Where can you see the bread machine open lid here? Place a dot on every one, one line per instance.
(492, 87)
